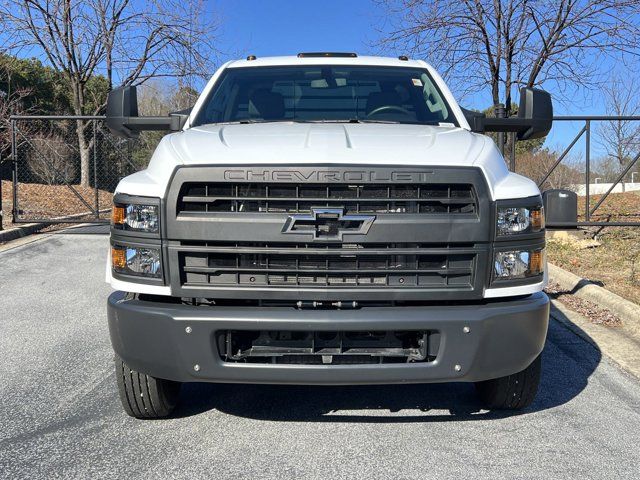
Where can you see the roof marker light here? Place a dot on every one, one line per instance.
(251, 57)
(404, 58)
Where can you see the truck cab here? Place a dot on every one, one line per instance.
(327, 219)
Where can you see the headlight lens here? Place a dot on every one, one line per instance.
(516, 264)
(514, 220)
(136, 218)
(143, 262)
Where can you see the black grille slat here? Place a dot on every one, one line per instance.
(402, 266)
(442, 271)
(446, 199)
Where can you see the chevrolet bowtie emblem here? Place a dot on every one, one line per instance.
(328, 224)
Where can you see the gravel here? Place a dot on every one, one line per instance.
(595, 313)
(60, 415)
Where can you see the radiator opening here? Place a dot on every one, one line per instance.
(328, 347)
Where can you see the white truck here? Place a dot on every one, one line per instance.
(328, 219)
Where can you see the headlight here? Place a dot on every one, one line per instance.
(139, 261)
(514, 220)
(135, 218)
(516, 264)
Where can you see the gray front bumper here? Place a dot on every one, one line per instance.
(504, 337)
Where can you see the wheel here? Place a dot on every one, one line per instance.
(512, 392)
(144, 396)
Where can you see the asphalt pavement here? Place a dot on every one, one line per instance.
(60, 416)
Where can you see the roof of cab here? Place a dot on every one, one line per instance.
(328, 60)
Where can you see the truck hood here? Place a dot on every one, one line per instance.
(321, 144)
(285, 142)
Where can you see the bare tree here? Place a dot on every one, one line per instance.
(11, 103)
(620, 139)
(124, 41)
(50, 159)
(535, 164)
(502, 44)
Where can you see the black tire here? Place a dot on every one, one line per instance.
(144, 396)
(512, 392)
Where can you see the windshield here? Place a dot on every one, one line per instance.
(326, 94)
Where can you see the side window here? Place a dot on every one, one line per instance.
(432, 98)
(217, 109)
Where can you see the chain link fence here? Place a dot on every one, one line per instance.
(65, 169)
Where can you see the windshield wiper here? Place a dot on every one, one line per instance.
(295, 120)
(367, 120)
(247, 121)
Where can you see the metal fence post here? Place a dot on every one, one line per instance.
(1, 211)
(499, 111)
(14, 157)
(95, 168)
(587, 170)
(513, 151)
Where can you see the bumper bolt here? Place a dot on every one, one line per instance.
(457, 368)
(188, 330)
(196, 367)
(466, 329)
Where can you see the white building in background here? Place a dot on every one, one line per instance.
(598, 188)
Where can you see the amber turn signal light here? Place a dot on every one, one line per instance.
(118, 215)
(537, 219)
(118, 258)
(536, 262)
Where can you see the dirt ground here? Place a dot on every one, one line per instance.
(624, 207)
(37, 201)
(613, 259)
(614, 263)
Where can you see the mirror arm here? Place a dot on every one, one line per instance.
(512, 124)
(139, 124)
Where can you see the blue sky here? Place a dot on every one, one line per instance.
(280, 27)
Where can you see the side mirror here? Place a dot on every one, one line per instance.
(560, 208)
(535, 108)
(123, 120)
(122, 104)
(534, 120)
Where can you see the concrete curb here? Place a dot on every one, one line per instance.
(19, 232)
(30, 228)
(628, 312)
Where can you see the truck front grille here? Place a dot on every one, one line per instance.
(328, 232)
(335, 265)
(218, 197)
